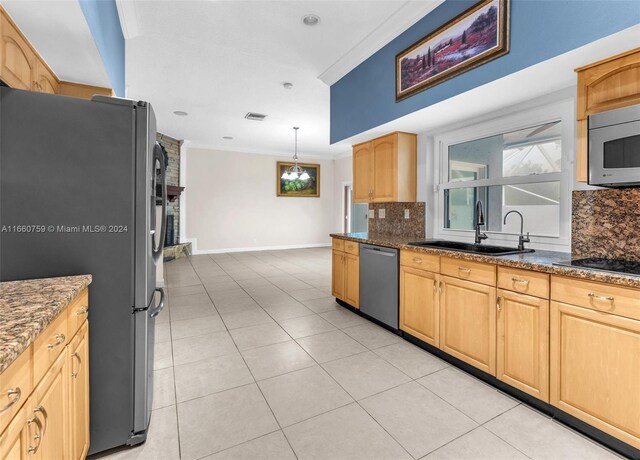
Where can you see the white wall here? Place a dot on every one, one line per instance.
(231, 204)
(342, 172)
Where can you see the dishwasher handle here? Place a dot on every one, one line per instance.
(380, 251)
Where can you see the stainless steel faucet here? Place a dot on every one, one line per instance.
(521, 239)
(479, 221)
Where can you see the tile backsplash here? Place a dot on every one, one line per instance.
(390, 219)
(606, 223)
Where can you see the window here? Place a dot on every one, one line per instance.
(522, 166)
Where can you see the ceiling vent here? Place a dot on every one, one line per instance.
(255, 116)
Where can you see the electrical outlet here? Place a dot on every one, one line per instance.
(372, 214)
(381, 213)
(406, 213)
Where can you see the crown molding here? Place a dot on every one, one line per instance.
(128, 18)
(403, 18)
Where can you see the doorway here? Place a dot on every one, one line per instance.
(355, 214)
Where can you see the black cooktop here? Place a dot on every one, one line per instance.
(604, 264)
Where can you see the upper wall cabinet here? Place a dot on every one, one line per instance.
(45, 81)
(384, 169)
(22, 67)
(17, 59)
(604, 85)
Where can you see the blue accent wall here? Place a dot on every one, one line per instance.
(540, 30)
(104, 23)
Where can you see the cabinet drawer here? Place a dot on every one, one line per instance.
(337, 244)
(597, 296)
(16, 383)
(467, 270)
(77, 313)
(351, 247)
(49, 345)
(524, 281)
(420, 260)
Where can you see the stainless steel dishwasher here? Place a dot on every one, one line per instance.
(379, 283)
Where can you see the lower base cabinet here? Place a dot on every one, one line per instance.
(595, 369)
(352, 280)
(419, 306)
(468, 322)
(78, 372)
(523, 343)
(345, 277)
(53, 422)
(337, 274)
(51, 407)
(17, 441)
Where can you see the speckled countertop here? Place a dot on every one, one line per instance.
(541, 261)
(28, 307)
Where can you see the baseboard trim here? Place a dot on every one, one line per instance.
(197, 251)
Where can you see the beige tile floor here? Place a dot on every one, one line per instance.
(255, 360)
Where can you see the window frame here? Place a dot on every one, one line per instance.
(564, 111)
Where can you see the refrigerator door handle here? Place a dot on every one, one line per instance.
(159, 157)
(160, 306)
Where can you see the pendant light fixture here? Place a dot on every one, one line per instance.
(295, 172)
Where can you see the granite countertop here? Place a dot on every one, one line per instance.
(28, 307)
(541, 261)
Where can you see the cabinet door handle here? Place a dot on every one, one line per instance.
(59, 341)
(16, 393)
(601, 297)
(417, 260)
(42, 410)
(498, 306)
(83, 310)
(37, 437)
(77, 356)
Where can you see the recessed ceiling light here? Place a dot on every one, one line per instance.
(287, 85)
(180, 113)
(311, 19)
(229, 138)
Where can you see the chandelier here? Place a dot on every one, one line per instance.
(295, 172)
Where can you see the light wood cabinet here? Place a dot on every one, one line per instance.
(604, 85)
(345, 272)
(385, 169)
(19, 440)
(22, 67)
(51, 406)
(363, 178)
(338, 274)
(468, 322)
(50, 418)
(17, 59)
(352, 280)
(595, 368)
(45, 81)
(523, 342)
(419, 304)
(78, 374)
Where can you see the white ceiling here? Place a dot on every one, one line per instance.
(59, 31)
(219, 60)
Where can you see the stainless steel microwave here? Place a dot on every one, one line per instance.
(614, 148)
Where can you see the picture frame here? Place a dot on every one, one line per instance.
(478, 35)
(310, 189)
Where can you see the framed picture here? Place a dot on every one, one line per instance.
(478, 35)
(298, 187)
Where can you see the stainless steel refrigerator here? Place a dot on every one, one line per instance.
(79, 181)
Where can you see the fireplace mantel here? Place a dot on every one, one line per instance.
(173, 192)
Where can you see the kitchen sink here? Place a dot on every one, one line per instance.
(470, 247)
